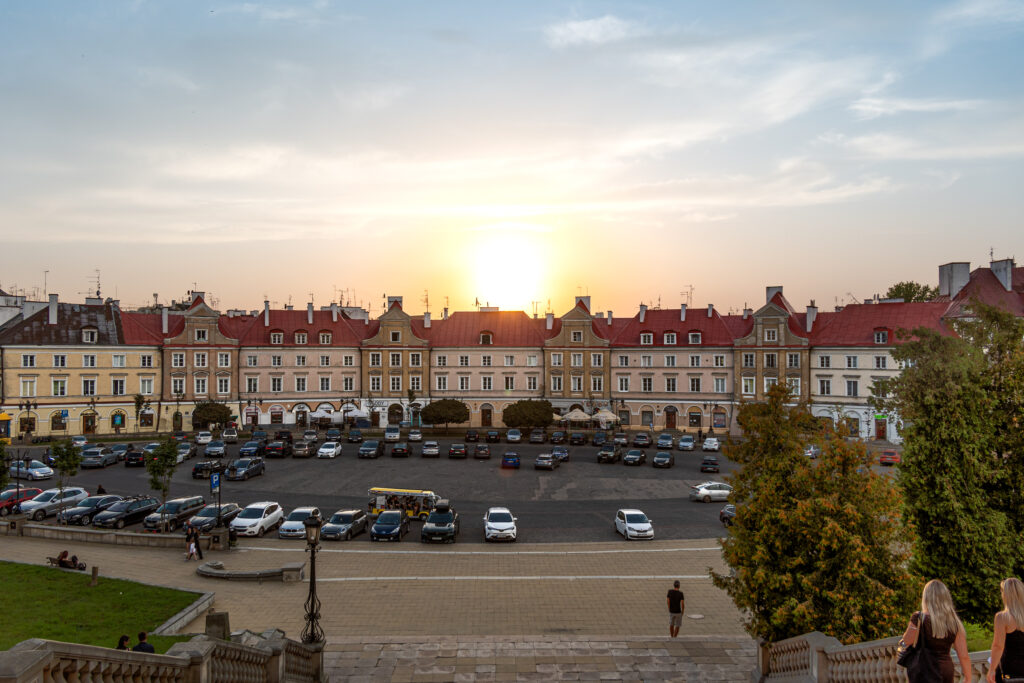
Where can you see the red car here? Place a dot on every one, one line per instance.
(889, 457)
(12, 497)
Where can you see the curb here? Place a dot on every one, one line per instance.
(185, 616)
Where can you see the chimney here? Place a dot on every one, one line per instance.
(747, 312)
(289, 307)
(812, 314)
(1003, 270)
(643, 312)
(770, 292)
(609, 318)
(550, 321)
(334, 312)
(163, 320)
(392, 300)
(52, 312)
(953, 277)
(585, 300)
(444, 316)
(309, 313)
(711, 310)
(266, 313)
(682, 313)
(426, 319)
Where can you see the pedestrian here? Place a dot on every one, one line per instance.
(100, 490)
(1008, 634)
(700, 435)
(122, 643)
(941, 630)
(676, 606)
(143, 645)
(193, 532)
(190, 554)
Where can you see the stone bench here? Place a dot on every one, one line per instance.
(289, 573)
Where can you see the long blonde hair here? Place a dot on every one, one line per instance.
(937, 603)
(1013, 600)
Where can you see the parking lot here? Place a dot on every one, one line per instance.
(575, 502)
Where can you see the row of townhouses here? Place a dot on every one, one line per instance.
(76, 368)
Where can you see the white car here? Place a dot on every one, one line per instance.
(500, 525)
(710, 444)
(431, 448)
(294, 526)
(203, 438)
(80, 441)
(633, 524)
(50, 502)
(257, 519)
(709, 491)
(330, 449)
(415, 435)
(392, 433)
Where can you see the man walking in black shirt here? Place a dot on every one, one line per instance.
(676, 605)
(143, 645)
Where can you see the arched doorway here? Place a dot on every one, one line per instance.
(670, 417)
(395, 413)
(414, 409)
(301, 415)
(486, 415)
(276, 415)
(252, 416)
(175, 423)
(646, 416)
(695, 418)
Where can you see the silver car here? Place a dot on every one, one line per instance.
(35, 470)
(709, 491)
(98, 456)
(51, 501)
(214, 449)
(295, 525)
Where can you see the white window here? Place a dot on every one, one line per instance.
(556, 360)
(60, 361)
(146, 386)
(576, 383)
(88, 387)
(325, 337)
(441, 361)
(348, 384)
(794, 385)
(201, 335)
(719, 385)
(178, 386)
(177, 360)
(117, 387)
(719, 360)
(577, 336)
(464, 361)
(623, 361)
(59, 387)
(396, 336)
(556, 383)
(277, 337)
(348, 361)
(485, 339)
(28, 387)
(881, 362)
(396, 383)
(510, 361)
(851, 361)
(118, 360)
(881, 337)
(300, 361)
(531, 384)
(771, 360)
(670, 385)
(748, 386)
(300, 384)
(531, 361)
(792, 360)
(200, 385)
(223, 360)
(695, 385)
(199, 359)
(748, 360)
(325, 361)
(852, 387)
(486, 383)
(694, 337)
(250, 361)
(670, 338)
(670, 361)
(275, 361)
(646, 361)
(442, 383)
(646, 339)
(770, 382)
(824, 361)
(276, 384)
(415, 382)
(325, 384)
(252, 384)
(596, 360)
(395, 359)
(89, 336)
(576, 359)
(485, 361)
(646, 384)
(825, 387)
(597, 383)
(695, 361)
(510, 384)
(771, 335)
(28, 361)
(375, 384)
(624, 384)
(146, 361)
(375, 359)
(223, 385)
(463, 383)
(415, 360)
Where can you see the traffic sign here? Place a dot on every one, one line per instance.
(64, 413)
(215, 482)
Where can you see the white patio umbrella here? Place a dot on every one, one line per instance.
(606, 416)
(577, 416)
(558, 418)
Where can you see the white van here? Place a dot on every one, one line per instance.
(392, 433)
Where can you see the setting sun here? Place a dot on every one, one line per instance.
(511, 264)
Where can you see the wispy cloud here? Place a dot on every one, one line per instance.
(606, 29)
(305, 13)
(983, 12)
(868, 108)
(889, 146)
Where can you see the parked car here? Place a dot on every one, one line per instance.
(709, 464)
(12, 498)
(513, 436)
(244, 468)
(304, 449)
(634, 456)
(641, 440)
(538, 436)
(329, 449)
(150, 447)
(186, 450)
(80, 441)
(354, 436)
(710, 444)
(400, 450)
(457, 450)
(415, 435)
(472, 435)
(665, 441)
(577, 439)
(391, 525)
(135, 459)
(173, 513)
(633, 524)
(609, 453)
(83, 513)
(179, 436)
(203, 438)
(663, 459)
(294, 525)
(34, 471)
(600, 438)
(206, 519)
(126, 512)
(203, 470)
(709, 491)
(392, 433)
(510, 460)
(500, 525)
(256, 447)
(260, 435)
(442, 524)
(727, 514)
(371, 449)
(344, 524)
(620, 439)
(430, 449)
(121, 450)
(257, 519)
(310, 435)
(98, 456)
(545, 461)
(284, 435)
(215, 449)
(557, 437)
(229, 435)
(686, 443)
(889, 457)
(278, 449)
(52, 501)
(481, 451)
(493, 436)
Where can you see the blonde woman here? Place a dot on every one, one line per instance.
(1007, 636)
(941, 628)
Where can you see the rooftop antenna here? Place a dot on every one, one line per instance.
(289, 299)
(853, 298)
(311, 297)
(535, 304)
(658, 307)
(476, 302)
(45, 290)
(426, 301)
(687, 293)
(550, 310)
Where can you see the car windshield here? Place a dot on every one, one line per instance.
(342, 518)
(35, 464)
(275, 444)
(544, 456)
(440, 518)
(90, 502)
(7, 495)
(169, 508)
(240, 463)
(45, 496)
(635, 453)
(209, 511)
(298, 515)
(329, 445)
(251, 444)
(214, 444)
(119, 507)
(389, 517)
(251, 513)
(500, 517)
(91, 451)
(181, 447)
(636, 518)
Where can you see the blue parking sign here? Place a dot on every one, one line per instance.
(215, 482)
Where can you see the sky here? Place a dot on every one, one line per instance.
(508, 154)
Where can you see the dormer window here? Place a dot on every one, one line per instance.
(881, 336)
(325, 337)
(301, 337)
(485, 338)
(577, 336)
(670, 338)
(771, 335)
(396, 337)
(277, 337)
(201, 335)
(89, 335)
(646, 338)
(694, 337)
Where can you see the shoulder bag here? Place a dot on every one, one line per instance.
(918, 660)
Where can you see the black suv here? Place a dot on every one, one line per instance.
(128, 511)
(284, 435)
(600, 438)
(493, 436)
(537, 436)
(279, 449)
(609, 453)
(354, 436)
(558, 437)
(472, 435)
(202, 470)
(333, 434)
(577, 439)
(134, 459)
(173, 513)
(442, 524)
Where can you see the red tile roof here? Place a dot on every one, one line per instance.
(463, 328)
(856, 324)
(714, 331)
(146, 328)
(252, 331)
(985, 286)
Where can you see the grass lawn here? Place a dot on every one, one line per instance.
(979, 637)
(43, 602)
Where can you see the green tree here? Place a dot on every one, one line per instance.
(528, 414)
(140, 404)
(950, 475)
(446, 411)
(815, 545)
(5, 474)
(67, 458)
(912, 291)
(211, 412)
(160, 465)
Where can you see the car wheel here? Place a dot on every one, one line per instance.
(39, 515)
(4, 512)
(172, 525)
(348, 535)
(86, 519)
(120, 524)
(260, 532)
(706, 499)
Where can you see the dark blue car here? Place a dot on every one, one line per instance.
(391, 525)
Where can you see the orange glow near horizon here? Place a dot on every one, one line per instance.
(510, 265)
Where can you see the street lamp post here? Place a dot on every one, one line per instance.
(312, 633)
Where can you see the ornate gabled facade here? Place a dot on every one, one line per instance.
(395, 356)
(576, 355)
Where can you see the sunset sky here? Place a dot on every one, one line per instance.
(511, 152)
